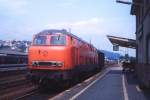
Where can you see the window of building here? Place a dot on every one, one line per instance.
(148, 50)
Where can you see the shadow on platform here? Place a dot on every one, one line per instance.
(133, 85)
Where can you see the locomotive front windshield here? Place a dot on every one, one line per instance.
(58, 40)
(40, 40)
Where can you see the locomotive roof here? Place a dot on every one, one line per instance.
(52, 31)
(63, 31)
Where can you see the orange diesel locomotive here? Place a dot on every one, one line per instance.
(59, 55)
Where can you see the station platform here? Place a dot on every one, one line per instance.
(108, 87)
(113, 84)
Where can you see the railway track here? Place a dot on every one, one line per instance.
(12, 81)
(15, 92)
(17, 87)
(14, 84)
(12, 71)
(48, 94)
(41, 94)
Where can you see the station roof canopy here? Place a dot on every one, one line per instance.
(123, 42)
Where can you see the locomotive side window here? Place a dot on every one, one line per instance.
(58, 40)
(71, 40)
(40, 40)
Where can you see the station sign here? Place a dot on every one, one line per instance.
(115, 47)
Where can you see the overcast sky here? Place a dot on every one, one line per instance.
(88, 19)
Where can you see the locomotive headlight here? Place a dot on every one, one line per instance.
(59, 64)
(34, 63)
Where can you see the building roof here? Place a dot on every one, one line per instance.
(123, 42)
(135, 8)
(11, 52)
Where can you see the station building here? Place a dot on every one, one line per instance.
(141, 10)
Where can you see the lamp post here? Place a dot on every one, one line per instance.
(129, 3)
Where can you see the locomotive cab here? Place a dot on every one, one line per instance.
(49, 51)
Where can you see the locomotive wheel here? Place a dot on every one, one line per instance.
(66, 84)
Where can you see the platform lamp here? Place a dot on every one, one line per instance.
(129, 3)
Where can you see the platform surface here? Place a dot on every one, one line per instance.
(111, 84)
(115, 85)
(107, 88)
